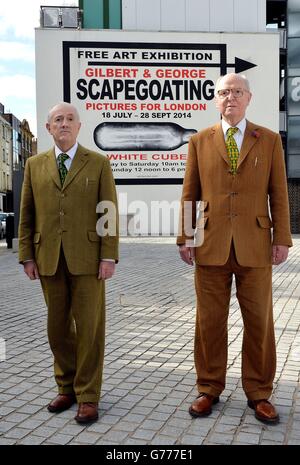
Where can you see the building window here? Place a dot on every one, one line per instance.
(294, 56)
(3, 155)
(293, 88)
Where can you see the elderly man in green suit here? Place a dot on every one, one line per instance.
(72, 249)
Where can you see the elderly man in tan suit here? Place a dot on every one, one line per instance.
(60, 243)
(236, 168)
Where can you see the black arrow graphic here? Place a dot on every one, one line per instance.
(241, 65)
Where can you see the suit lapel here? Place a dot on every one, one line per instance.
(218, 137)
(250, 138)
(78, 163)
(52, 167)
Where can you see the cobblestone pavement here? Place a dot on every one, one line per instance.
(149, 378)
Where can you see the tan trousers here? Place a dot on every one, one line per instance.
(76, 331)
(254, 293)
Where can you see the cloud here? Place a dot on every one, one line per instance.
(17, 93)
(18, 18)
(18, 85)
(10, 51)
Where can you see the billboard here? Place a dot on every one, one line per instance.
(141, 95)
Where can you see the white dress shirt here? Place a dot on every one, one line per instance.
(239, 135)
(71, 152)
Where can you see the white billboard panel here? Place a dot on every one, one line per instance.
(141, 95)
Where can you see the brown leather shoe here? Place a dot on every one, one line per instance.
(264, 411)
(201, 407)
(87, 412)
(61, 402)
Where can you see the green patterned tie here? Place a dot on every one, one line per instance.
(62, 157)
(232, 148)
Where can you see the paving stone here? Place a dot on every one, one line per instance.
(7, 441)
(115, 435)
(225, 428)
(248, 438)
(190, 439)
(17, 433)
(31, 440)
(44, 431)
(86, 437)
(99, 427)
(4, 411)
(133, 442)
(61, 439)
(163, 440)
(218, 438)
(29, 408)
(16, 417)
(6, 426)
(15, 403)
(30, 424)
(143, 434)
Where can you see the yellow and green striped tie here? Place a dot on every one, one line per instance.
(232, 148)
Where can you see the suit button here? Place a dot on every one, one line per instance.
(59, 231)
(61, 213)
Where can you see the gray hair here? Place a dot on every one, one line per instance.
(242, 77)
(62, 104)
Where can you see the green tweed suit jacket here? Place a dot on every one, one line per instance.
(52, 216)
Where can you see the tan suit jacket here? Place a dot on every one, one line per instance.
(236, 207)
(52, 216)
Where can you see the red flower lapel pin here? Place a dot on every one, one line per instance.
(255, 134)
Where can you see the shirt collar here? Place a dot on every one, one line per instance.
(70, 152)
(241, 126)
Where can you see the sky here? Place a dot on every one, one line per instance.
(18, 18)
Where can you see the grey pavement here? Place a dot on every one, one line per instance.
(149, 378)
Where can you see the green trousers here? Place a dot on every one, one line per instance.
(76, 331)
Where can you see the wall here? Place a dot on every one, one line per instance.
(194, 15)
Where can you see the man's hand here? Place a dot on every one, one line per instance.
(187, 254)
(279, 254)
(106, 269)
(31, 269)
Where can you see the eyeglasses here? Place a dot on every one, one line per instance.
(237, 93)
